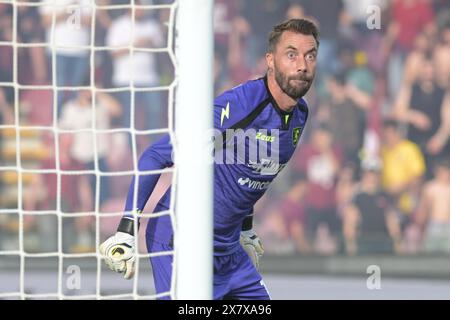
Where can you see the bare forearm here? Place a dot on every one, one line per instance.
(360, 98)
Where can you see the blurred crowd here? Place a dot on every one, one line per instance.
(372, 173)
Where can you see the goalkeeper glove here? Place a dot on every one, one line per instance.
(118, 252)
(252, 245)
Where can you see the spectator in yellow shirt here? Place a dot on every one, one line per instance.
(403, 168)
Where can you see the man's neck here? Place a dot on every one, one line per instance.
(285, 102)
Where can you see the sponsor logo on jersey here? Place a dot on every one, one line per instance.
(266, 167)
(253, 184)
(263, 137)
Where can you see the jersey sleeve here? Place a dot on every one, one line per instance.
(238, 103)
(228, 110)
(156, 157)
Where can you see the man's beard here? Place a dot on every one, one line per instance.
(297, 90)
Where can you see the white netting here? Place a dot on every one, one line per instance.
(19, 129)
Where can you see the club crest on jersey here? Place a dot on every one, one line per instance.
(296, 133)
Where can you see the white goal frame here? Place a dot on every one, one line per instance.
(193, 121)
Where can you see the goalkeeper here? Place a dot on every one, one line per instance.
(271, 104)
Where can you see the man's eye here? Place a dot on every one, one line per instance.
(310, 57)
(291, 55)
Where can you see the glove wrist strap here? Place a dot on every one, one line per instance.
(127, 226)
(247, 224)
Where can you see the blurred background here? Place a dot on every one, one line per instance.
(369, 183)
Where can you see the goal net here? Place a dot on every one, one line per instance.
(92, 84)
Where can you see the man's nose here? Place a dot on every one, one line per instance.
(301, 64)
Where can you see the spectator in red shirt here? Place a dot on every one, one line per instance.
(290, 210)
(411, 17)
(320, 161)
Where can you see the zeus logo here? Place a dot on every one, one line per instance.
(225, 113)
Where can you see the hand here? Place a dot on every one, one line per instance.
(241, 26)
(421, 121)
(435, 144)
(252, 245)
(118, 252)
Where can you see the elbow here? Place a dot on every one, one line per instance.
(145, 159)
(150, 160)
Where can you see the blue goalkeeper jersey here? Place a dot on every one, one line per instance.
(256, 140)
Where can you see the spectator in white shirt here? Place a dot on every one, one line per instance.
(77, 115)
(69, 37)
(137, 70)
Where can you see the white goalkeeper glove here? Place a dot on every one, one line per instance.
(252, 245)
(118, 252)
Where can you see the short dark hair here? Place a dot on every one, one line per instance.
(302, 26)
(391, 123)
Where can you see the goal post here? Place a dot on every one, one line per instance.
(193, 121)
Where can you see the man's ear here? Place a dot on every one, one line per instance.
(269, 60)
